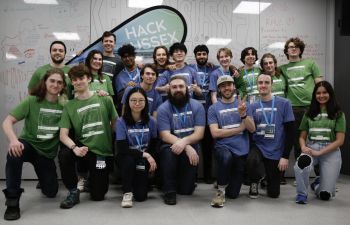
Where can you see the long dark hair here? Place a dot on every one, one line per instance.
(40, 90)
(332, 106)
(88, 64)
(127, 116)
(155, 54)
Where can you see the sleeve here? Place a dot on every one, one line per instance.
(124, 95)
(163, 120)
(121, 132)
(212, 81)
(153, 127)
(288, 112)
(315, 70)
(304, 123)
(340, 124)
(110, 107)
(65, 121)
(199, 115)
(162, 80)
(22, 109)
(212, 119)
(109, 86)
(34, 80)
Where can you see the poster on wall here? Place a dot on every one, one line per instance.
(158, 25)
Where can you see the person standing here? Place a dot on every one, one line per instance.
(38, 142)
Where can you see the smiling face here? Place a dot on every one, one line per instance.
(57, 53)
(96, 62)
(227, 90)
(293, 50)
(250, 58)
(269, 65)
(108, 44)
(201, 58)
(81, 84)
(161, 56)
(137, 102)
(179, 55)
(149, 76)
(54, 84)
(322, 96)
(264, 84)
(224, 59)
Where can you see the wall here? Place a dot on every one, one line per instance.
(26, 32)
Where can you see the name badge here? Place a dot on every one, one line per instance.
(141, 165)
(100, 162)
(269, 131)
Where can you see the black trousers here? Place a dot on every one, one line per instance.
(98, 178)
(255, 158)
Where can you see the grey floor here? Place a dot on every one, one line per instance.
(191, 210)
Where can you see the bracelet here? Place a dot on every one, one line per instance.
(243, 117)
(73, 147)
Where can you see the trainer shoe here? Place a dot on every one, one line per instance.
(82, 185)
(71, 200)
(253, 191)
(301, 199)
(127, 200)
(219, 199)
(170, 198)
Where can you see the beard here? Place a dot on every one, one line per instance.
(178, 99)
(202, 62)
(57, 61)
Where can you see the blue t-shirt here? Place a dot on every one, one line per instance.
(124, 77)
(138, 135)
(180, 122)
(153, 98)
(188, 72)
(203, 73)
(161, 74)
(282, 113)
(214, 76)
(227, 117)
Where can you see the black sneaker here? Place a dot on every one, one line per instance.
(170, 198)
(71, 200)
(253, 191)
(12, 213)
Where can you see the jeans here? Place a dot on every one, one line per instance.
(98, 178)
(230, 170)
(133, 179)
(178, 174)
(255, 158)
(330, 165)
(45, 169)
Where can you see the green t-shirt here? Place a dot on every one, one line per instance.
(301, 81)
(40, 73)
(249, 76)
(90, 119)
(40, 124)
(322, 128)
(106, 84)
(279, 86)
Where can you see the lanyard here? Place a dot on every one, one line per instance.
(272, 109)
(138, 140)
(182, 120)
(223, 73)
(137, 75)
(202, 78)
(250, 81)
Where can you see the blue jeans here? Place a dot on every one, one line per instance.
(45, 169)
(178, 174)
(230, 170)
(330, 165)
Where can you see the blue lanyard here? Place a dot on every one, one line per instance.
(137, 76)
(223, 73)
(272, 109)
(183, 120)
(202, 78)
(138, 140)
(250, 81)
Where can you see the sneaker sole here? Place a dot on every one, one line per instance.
(217, 205)
(253, 196)
(68, 207)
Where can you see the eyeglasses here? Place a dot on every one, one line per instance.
(135, 101)
(292, 47)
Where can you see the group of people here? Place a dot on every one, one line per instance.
(248, 118)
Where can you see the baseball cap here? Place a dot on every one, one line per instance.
(225, 78)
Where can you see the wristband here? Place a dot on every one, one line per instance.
(73, 147)
(243, 117)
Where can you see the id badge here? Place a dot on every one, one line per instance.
(270, 131)
(141, 165)
(100, 162)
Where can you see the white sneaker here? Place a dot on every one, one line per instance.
(219, 199)
(82, 184)
(127, 200)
